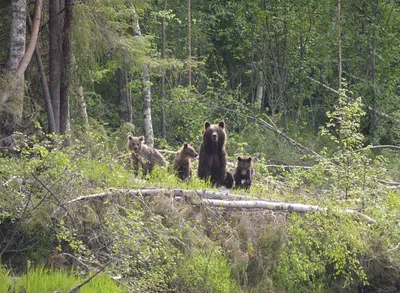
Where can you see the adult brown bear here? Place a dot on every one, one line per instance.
(212, 156)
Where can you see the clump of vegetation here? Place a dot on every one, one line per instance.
(41, 279)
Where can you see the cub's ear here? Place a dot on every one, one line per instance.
(185, 145)
(222, 124)
(141, 138)
(206, 124)
(249, 159)
(130, 137)
(239, 159)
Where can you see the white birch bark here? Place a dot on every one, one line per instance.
(82, 106)
(148, 125)
(16, 54)
(221, 199)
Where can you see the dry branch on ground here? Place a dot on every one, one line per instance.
(219, 199)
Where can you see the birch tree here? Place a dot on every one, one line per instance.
(148, 125)
(12, 97)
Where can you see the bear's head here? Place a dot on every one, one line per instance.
(214, 134)
(135, 143)
(188, 151)
(244, 164)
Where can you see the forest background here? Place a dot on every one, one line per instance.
(309, 89)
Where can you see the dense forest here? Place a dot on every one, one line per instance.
(304, 94)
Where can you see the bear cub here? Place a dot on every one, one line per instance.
(144, 156)
(212, 156)
(244, 172)
(182, 162)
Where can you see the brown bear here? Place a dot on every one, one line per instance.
(212, 157)
(144, 156)
(244, 171)
(182, 163)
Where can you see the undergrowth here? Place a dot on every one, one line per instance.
(161, 243)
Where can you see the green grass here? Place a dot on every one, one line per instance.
(43, 280)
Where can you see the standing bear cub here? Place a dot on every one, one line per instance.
(244, 172)
(212, 157)
(144, 156)
(182, 163)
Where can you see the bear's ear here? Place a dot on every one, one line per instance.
(185, 145)
(249, 159)
(206, 124)
(130, 137)
(141, 138)
(239, 159)
(222, 124)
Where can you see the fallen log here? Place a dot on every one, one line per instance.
(219, 199)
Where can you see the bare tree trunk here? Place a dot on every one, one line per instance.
(45, 86)
(339, 45)
(124, 96)
(12, 97)
(82, 106)
(189, 45)
(373, 60)
(259, 92)
(55, 60)
(148, 125)
(163, 93)
(65, 125)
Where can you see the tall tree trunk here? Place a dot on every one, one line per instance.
(55, 60)
(259, 92)
(339, 45)
(373, 69)
(163, 93)
(124, 96)
(65, 125)
(148, 125)
(12, 97)
(45, 86)
(189, 44)
(82, 106)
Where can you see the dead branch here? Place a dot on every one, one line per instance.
(76, 288)
(379, 114)
(277, 206)
(277, 131)
(220, 199)
(390, 147)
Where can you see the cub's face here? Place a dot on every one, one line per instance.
(189, 151)
(244, 164)
(135, 143)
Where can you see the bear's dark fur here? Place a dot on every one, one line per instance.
(212, 157)
(182, 163)
(144, 156)
(244, 172)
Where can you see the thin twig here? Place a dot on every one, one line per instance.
(76, 288)
(56, 198)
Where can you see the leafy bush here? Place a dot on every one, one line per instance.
(205, 270)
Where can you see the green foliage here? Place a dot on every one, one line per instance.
(205, 270)
(40, 279)
(141, 244)
(322, 253)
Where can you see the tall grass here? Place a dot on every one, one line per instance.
(42, 280)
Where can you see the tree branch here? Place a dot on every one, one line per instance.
(220, 199)
(32, 42)
(380, 114)
(76, 288)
